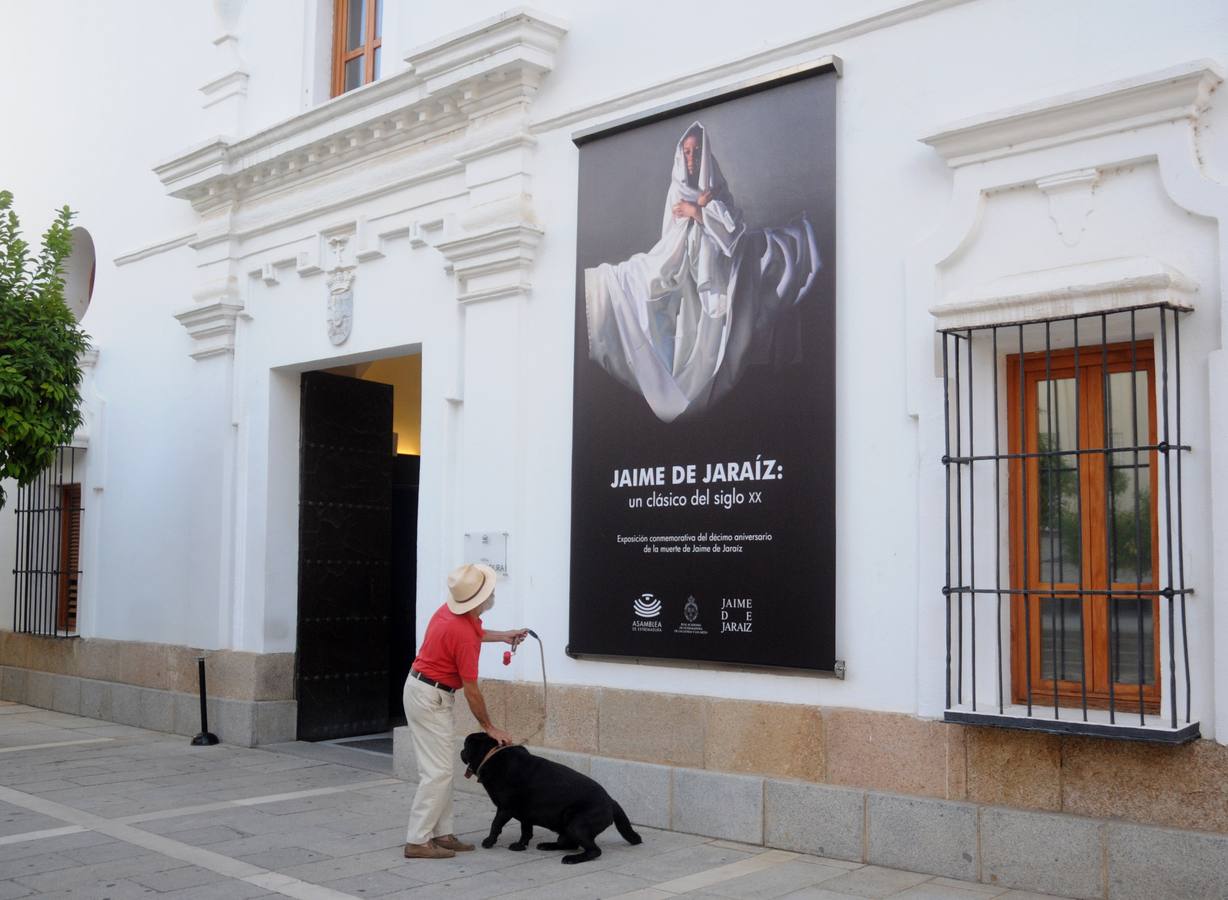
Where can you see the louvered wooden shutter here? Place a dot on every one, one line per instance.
(70, 555)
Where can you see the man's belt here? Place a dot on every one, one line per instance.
(414, 673)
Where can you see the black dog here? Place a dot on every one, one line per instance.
(537, 791)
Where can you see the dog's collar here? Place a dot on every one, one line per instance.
(493, 750)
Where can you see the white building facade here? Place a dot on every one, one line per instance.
(999, 168)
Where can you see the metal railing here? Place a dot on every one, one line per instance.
(1093, 548)
(47, 558)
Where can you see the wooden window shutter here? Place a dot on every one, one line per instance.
(70, 556)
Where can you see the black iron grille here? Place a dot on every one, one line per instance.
(1065, 434)
(47, 560)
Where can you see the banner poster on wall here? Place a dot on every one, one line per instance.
(703, 452)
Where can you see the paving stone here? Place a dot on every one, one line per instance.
(228, 889)
(109, 851)
(988, 890)
(679, 863)
(282, 857)
(110, 890)
(182, 877)
(931, 891)
(1046, 852)
(123, 867)
(591, 885)
(350, 840)
(873, 881)
(371, 884)
(934, 836)
(473, 887)
(10, 890)
(1161, 862)
(814, 818)
(37, 864)
(68, 844)
(643, 790)
(718, 805)
(204, 835)
(776, 881)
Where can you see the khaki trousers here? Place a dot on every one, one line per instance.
(429, 713)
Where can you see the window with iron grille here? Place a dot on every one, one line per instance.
(1064, 512)
(47, 560)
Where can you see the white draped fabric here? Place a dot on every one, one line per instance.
(680, 322)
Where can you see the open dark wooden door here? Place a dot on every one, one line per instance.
(404, 590)
(345, 540)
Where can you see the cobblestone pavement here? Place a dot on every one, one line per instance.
(89, 809)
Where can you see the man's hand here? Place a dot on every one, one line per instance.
(499, 735)
(685, 209)
(704, 199)
(515, 637)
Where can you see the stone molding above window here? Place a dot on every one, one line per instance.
(1179, 93)
(1107, 285)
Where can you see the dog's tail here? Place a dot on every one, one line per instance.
(623, 824)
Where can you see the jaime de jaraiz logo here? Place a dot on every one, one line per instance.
(647, 612)
(691, 616)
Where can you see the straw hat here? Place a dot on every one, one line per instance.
(469, 586)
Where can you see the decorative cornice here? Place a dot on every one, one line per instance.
(494, 65)
(493, 263)
(722, 72)
(1178, 93)
(1106, 285)
(154, 249)
(212, 327)
(517, 39)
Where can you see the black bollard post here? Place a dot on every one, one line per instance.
(204, 739)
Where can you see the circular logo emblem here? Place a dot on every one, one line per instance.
(691, 610)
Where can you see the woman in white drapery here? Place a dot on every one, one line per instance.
(681, 322)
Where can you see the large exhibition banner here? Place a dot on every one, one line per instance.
(703, 456)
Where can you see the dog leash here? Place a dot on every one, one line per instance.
(507, 658)
(477, 773)
(541, 650)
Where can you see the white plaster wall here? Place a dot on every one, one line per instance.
(198, 512)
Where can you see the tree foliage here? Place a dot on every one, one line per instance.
(40, 343)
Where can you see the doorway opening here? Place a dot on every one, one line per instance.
(360, 455)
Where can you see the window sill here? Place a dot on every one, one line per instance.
(1153, 730)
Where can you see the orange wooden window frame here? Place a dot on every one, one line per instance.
(371, 42)
(1095, 562)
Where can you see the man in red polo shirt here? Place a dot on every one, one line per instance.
(447, 661)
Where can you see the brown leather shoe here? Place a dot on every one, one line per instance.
(452, 842)
(429, 850)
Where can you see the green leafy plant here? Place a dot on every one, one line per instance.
(40, 342)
